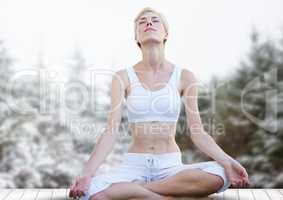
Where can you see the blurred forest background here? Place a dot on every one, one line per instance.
(39, 149)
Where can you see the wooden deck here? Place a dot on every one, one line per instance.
(62, 194)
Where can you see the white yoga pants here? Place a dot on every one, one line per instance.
(148, 167)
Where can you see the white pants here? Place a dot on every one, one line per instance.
(148, 167)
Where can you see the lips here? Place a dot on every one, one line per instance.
(147, 29)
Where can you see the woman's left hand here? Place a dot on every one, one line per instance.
(237, 174)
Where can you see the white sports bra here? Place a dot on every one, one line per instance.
(159, 105)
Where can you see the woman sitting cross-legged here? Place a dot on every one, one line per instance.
(152, 168)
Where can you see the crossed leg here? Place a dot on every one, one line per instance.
(188, 182)
(183, 185)
(127, 191)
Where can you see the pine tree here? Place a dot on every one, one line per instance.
(251, 110)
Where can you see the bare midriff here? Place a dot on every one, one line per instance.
(153, 137)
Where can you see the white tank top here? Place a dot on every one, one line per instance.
(162, 105)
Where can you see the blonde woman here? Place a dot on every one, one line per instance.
(152, 168)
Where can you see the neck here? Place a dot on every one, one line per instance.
(153, 56)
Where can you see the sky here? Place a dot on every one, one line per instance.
(207, 37)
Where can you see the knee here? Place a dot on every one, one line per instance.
(214, 185)
(207, 187)
(219, 183)
(100, 196)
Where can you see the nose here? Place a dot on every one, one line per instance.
(149, 23)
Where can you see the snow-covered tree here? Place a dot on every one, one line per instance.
(250, 106)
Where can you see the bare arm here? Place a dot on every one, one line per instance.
(235, 172)
(108, 138)
(198, 135)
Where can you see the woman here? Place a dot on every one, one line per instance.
(152, 167)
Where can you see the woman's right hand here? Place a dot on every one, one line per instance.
(80, 186)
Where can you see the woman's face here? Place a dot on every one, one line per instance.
(150, 28)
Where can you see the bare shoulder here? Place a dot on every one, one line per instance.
(187, 78)
(121, 75)
(121, 81)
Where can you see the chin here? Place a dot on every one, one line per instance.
(151, 40)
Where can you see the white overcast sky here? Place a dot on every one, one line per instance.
(207, 37)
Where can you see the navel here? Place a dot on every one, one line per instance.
(152, 147)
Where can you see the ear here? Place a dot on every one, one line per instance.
(166, 35)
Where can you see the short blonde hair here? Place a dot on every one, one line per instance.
(145, 10)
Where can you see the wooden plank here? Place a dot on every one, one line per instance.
(245, 193)
(16, 194)
(45, 194)
(59, 194)
(231, 194)
(259, 194)
(274, 194)
(4, 193)
(63, 193)
(30, 194)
